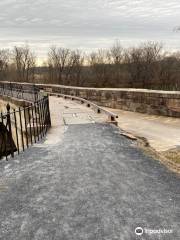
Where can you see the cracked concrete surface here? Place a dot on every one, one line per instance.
(89, 183)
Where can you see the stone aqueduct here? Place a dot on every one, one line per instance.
(165, 103)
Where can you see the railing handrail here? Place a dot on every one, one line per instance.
(111, 115)
(22, 108)
(27, 92)
(34, 121)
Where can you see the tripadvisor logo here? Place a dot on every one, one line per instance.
(139, 231)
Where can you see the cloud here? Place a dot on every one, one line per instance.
(89, 24)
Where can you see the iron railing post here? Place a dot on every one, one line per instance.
(10, 130)
(48, 109)
(25, 125)
(30, 130)
(21, 128)
(17, 138)
(32, 106)
(36, 119)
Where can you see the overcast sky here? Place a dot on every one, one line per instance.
(88, 24)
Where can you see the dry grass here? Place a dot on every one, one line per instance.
(173, 155)
(170, 158)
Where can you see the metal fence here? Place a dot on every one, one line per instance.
(20, 128)
(27, 92)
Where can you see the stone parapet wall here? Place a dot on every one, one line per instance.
(165, 103)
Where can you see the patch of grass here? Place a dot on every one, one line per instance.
(170, 158)
(173, 155)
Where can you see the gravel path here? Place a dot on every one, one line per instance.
(91, 183)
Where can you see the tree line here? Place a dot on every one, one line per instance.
(145, 66)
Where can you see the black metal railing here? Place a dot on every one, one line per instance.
(25, 91)
(20, 128)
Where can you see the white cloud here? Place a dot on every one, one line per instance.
(87, 23)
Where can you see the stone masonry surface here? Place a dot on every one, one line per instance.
(165, 103)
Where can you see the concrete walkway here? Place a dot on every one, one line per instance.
(86, 181)
(163, 133)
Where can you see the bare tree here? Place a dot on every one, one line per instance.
(152, 55)
(169, 72)
(4, 62)
(116, 53)
(116, 60)
(145, 66)
(74, 67)
(65, 65)
(25, 62)
(143, 63)
(100, 65)
(58, 59)
(133, 60)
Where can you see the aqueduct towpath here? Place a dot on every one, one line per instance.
(85, 181)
